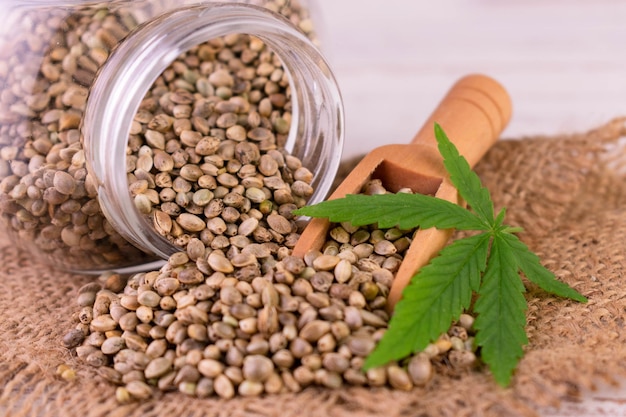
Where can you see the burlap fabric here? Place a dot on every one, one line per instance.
(568, 193)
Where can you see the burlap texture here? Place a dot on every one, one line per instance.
(568, 193)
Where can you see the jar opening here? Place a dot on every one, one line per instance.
(315, 132)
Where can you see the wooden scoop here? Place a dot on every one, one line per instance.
(473, 114)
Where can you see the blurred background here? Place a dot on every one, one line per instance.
(563, 61)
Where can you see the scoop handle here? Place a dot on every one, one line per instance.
(473, 114)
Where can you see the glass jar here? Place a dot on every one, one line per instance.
(122, 120)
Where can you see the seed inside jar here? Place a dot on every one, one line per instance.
(210, 121)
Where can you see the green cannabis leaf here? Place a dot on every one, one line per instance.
(488, 263)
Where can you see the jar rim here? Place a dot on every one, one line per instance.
(131, 70)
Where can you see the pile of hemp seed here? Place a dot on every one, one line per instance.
(255, 320)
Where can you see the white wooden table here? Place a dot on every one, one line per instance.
(563, 62)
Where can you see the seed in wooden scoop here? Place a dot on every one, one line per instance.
(474, 112)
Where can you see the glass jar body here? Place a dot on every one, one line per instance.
(81, 87)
